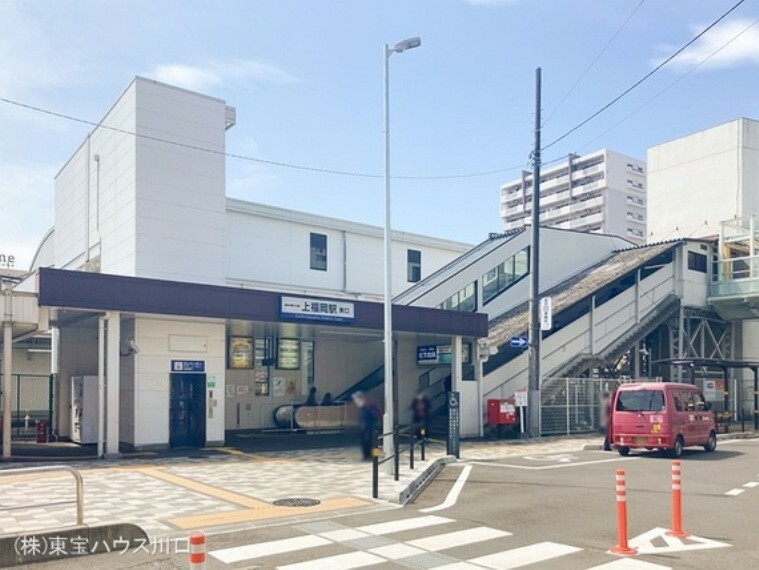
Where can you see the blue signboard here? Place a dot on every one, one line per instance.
(426, 354)
(519, 342)
(188, 366)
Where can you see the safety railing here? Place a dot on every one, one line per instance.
(77, 478)
(413, 433)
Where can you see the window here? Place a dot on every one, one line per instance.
(641, 401)
(697, 261)
(464, 300)
(413, 265)
(319, 252)
(503, 276)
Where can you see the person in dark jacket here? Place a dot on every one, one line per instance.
(311, 400)
(421, 409)
(368, 417)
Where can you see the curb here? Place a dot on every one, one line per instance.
(414, 486)
(720, 437)
(72, 542)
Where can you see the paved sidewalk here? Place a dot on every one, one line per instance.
(223, 490)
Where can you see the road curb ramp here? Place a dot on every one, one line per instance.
(15, 550)
(415, 485)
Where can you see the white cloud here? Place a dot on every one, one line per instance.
(27, 213)
(210, 74)
(743, 51)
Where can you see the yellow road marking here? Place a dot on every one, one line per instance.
(204, 489)
(266, 512)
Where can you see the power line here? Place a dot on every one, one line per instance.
(645, 77)
(276, 163)
(592, 63)
(675, 82)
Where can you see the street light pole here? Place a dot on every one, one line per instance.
(388, 422)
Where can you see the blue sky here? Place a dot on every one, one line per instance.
(306, 78)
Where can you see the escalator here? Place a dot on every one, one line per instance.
(332, 417)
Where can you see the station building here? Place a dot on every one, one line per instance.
(202, 313)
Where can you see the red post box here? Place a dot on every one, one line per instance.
(42, 431)
(502, 412)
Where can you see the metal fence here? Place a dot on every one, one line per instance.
(574, 405)
(577, 405)
(32, 401)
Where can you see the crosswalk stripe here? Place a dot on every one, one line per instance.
(459, 538)
(339, 562)
(518, 557)
(238, 553)
(630, 564)
(403, 525)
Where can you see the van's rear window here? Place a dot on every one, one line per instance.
(640, 401)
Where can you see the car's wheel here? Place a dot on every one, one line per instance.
(624, 451)
(677, 449)
(711, 443)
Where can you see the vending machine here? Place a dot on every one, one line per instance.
(84, 409)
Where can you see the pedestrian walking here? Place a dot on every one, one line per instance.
(368, 417)
(421, 409)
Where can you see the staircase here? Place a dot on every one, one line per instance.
(617, 324)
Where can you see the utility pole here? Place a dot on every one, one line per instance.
(533, 390)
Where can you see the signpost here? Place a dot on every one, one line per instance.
(520, 401)
(546, 314)
(519, 342)
(454, 424)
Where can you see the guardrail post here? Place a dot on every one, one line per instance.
(77, 478)
(375, 466)
(412, 437)
(621, 492)
(396, 455)
(677, 504)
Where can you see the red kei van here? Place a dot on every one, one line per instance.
(661, 415)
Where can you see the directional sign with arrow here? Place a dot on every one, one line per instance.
(519, 342)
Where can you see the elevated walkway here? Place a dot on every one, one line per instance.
(598, 314)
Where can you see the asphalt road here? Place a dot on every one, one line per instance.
(543, 511)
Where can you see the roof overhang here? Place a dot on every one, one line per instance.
(102, 292)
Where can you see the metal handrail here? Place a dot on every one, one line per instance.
(411, 432)
(74, 472)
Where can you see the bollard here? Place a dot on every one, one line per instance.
(424, 443)
(621, 489)
(375, 466)
(396, 455)
(198, 551)
(677, 503)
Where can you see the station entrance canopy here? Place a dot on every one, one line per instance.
(100, 292)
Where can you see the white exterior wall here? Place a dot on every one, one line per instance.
(158, 208)
(112, 209)
(270, 247)
(180, 192)
(709, 176)
(152, 368)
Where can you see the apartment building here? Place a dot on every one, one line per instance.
(601, 192)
